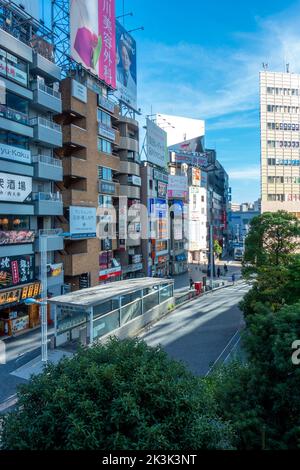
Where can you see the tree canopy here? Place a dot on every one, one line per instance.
(123, 395)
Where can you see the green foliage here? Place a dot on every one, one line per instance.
(261, 398)
(217, 248)
(271, 241)
(124, 395)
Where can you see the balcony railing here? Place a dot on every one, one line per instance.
(46, 89)
(13, 115)
(45, 123)
(57, 197)
(47, 160)
(53, 232)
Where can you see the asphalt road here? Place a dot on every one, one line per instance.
(202, 331)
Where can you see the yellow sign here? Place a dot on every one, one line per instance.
(21, 293)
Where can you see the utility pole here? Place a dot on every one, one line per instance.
(43, 271)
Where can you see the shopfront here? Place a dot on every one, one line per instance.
(15, 315)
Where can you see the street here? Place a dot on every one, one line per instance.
(198, 332)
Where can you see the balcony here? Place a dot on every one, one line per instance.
(132, 192)
(47, 203)
(46, 132)
(54, 241)
(75, 264)
(12, 120)
(45, 98)
(106, 104)
(129, 121)
(127, 143)
(47, 168)
(74, 166)
(45, 68)
(129, 168)
(75, 136)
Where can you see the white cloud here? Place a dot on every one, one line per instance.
(246, 173)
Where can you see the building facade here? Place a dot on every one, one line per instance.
(280, 142)
(30, 200)
(239, 219)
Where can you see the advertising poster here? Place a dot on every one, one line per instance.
(177, 186)
(15, 270)
(126, 67)
(16, 237)
(93, 37)
(82, 222)
(157, 152)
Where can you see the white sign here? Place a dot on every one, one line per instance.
(136, 180)
(82, 222)
(177, 186)
(79, 91)
(14, 188)
(156, 145)
(15, 153)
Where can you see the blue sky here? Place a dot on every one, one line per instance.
(201, 59)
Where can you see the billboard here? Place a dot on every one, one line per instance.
(157, 152)
(126, 67)
(177, 186)
(82, 222)
(16, 154)
(15, 270)
(93, 37)
(14, 188)
(195, 145)
(195, 175)
(16, 237)
(180, 128)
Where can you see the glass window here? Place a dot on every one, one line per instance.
(103, 117)
(16, 222)
(13, 68)
(105, 173)
(105, 201)
(104, 146)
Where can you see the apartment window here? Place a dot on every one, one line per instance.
(103, 117)
(271, 161)
(151, 184)
(13, 68)
(104, 146)
(202, 199)
(105, 201)
(276, 197)
(15, 140)
(105, 173)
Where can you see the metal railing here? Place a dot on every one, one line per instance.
(55, 197)
(41, 121)
(53, 232)
(48, 90)
(13, 114)
(47, 160)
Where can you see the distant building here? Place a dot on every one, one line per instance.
(239, 218)
(280, 142)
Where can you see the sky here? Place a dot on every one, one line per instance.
(201, 59)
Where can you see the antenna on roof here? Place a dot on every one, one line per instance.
(287, 68)
(265, 66)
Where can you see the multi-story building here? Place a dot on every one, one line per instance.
(239, 218)
(178, 196)
(91, 186)
(130, 243)
(280, 142)
(29, 196)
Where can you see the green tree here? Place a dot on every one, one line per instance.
(273, 238)
(261, 397)
(123, 395)
(217, 248)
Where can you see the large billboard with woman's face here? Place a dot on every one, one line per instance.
(93, 37)
(126, 67)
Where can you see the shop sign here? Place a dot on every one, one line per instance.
(162, 189)
(136, 180)
(16, 270)
(160, 176)
(16, 237)
(14, 188)
(82, 222)
(54, 270)
(110, 273)
(15, 154)
(106, 131)
(79, 91)
(107, 188)
(20, 293)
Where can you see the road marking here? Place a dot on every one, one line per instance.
(220, 355)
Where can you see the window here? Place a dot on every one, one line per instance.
(105, 201)
(104, 146)
(151, 184)
(13, 68)
(16, 222)
(15, 140)
(103, 117)
(105, 173)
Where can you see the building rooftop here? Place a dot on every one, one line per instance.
(99, 294)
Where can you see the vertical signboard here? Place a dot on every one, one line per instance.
(82, 222)
(126, 67)
(157, 152)
(93, 37)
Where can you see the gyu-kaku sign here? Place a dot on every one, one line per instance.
(14, 188)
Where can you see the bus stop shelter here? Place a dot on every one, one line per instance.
(120, 308)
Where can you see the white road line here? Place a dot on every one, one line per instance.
(220, 355)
